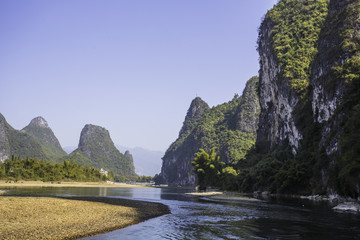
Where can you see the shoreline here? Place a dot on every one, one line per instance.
(68, 184)
(71, 217)
(226, 196)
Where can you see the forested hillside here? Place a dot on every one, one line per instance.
(96, 149)
(231, 127)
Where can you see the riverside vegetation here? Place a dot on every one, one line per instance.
(16, 169)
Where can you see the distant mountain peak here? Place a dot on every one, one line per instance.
(91, 134)
(96, 149)
(39, 122)
(40, 130)
(196, 109)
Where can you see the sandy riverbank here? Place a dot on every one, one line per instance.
(67, 184)
(204, 193)
(223, 196)
(234, 198)
(70, 218)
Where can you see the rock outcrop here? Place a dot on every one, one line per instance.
(96, 149)
(309, 98)
(5, 151)
(231, 127)
(18, 143)
(176, 161)
(41, 131)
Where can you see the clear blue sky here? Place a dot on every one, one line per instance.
(131, 66)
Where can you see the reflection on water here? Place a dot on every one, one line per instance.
(201, 218)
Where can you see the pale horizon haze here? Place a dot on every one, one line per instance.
(130, 66)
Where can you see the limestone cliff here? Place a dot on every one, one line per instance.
(231, 127)
(96, 149)
(175, 168)
(287, 45)
(41, 131)
(309, 97)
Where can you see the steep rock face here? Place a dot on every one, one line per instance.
(40, 130)
(337, 47)
(277, 99)
(5, 152)
(231, 127)
(336, 97)
(287, 46)
(310, 98)
(176, 161)
(18, 143)
(129, 166)
(96, 149)
(196, 110)
(247, 117)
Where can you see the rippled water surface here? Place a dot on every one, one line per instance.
(202, 218)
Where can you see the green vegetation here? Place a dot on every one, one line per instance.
(301, 31)
(32, 141)
(144, 179)
(279, 171)
(211, 172)
(225, 126)
(16, 169)
(297, 25)
(49, 143)
(96, 149)
(207, 167)
(23, 144)
(347, 169)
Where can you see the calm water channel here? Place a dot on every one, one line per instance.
(201, 218)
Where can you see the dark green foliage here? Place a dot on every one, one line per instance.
(120, 165)
(217, 128)
(144, 179)
(280, 171)
(32, 169)
(211, 172)
(24, 145)
(297, 25)
(158, 179)
(349, 162)
(208, 168)
(231, 127)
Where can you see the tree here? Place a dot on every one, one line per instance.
(208, 168)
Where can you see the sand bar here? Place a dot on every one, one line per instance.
(204, 193)
(234, 198)
(70, 218)
(68, 184)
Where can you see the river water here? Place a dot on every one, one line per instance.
(202, 218)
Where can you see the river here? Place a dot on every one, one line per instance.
(194, 217)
